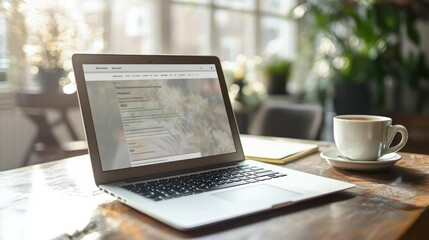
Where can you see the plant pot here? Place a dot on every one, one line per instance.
(277, 84)
(352, 98)
(49, 79)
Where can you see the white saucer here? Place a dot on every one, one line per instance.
(388, 160)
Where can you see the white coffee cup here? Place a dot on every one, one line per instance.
(366, 137)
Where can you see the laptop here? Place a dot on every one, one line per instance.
(163, 139)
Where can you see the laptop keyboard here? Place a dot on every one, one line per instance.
(184, 185)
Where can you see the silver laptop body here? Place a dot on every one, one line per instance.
(162, 119)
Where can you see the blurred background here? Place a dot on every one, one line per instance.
(339, 57)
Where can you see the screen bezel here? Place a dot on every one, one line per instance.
(102, 177)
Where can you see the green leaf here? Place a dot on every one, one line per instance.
(412, 32)
(421, 67)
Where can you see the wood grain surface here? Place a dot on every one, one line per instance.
(59, 200)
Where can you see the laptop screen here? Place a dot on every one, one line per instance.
(147, 114)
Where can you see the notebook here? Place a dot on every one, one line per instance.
(163, 139)
(275, 150)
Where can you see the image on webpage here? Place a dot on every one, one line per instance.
(150, 121)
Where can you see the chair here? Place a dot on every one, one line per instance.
(279, 118)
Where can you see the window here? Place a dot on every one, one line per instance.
(226, 28)
(3, 48)
(185, 18)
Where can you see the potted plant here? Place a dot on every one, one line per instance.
(358, 47)
(277, 71)
(55, 35)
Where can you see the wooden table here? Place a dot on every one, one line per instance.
(35, 106)
(59, 200)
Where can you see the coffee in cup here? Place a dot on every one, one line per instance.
(366, 137)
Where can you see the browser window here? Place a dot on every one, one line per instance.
(155, 113)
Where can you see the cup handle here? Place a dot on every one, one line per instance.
(393, 129)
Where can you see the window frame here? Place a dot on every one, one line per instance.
(257, 13)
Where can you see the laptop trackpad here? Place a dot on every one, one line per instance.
(259, 195)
